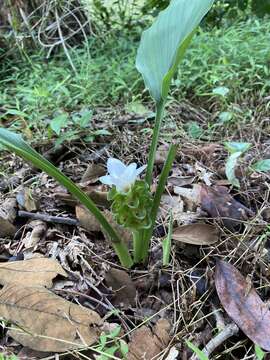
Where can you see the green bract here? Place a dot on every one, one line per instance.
(132, 209)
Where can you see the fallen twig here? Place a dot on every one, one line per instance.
(229, 331)
(48, 218)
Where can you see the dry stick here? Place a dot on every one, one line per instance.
(48, 218)
(63, 41)
(229, 331)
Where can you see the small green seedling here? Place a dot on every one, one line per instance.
(197, 351)
(236, 150)
(110, 345)
(261, 166)
(8, 357)
(259, 353)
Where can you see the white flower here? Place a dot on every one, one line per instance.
(120, 175)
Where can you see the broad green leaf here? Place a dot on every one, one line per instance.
(123, 347)
(259, 353)
(14, 112)
(194, 130)
(58, 123)
(221, 90)
(262, 165)
(230, 168)
(102, 132)
(197, 351)
(234, 147)
(15, 143)
(83, 118)
(163, 45)
(225, 117)
(115, 332)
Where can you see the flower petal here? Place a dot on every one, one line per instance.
(140, 170)
(129, 175)
(107, 180)
(115, 167)
(122, 186)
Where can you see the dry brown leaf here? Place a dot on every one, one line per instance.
(100, 198)
(218, 203)
(39, 229)
(171, 202)
(161, 154)
(146, 345)
(196, 234)
(93, 172)
(8, 211)
(243, 304)
(190, 194)
(37, 271)
(180, 180)
(26, 200)
(123, 287)
(87, 220)
(43, 319)
(202, 152)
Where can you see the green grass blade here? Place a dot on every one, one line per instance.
(166, 244)
(163, 45)
(15, 143)
(260, 354)
(160, 189)
(197, 351)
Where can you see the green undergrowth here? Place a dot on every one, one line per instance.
(33, 90)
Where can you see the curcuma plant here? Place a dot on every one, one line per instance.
(161, 49)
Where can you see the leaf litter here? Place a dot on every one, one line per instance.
(45, 321)
(151, 293)
(37, 272)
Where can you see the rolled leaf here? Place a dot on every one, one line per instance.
(163, 45)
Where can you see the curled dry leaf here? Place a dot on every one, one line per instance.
(173, 354)
(190, 194)
(26, 200)
(196, 234)
(87, 220)
(217, 202)
(45, 321)
(8, 211)
(147, 345)
(93, 173)
(243, 304)
(123, 287)
(202, 152)
(37, 271)
(180, 180)
(39, 230)
(100, 198)
(171, 203)
(161, 154)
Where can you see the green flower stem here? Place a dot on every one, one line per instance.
(15, 143)
(158, 120)
(137, 246)
(147, 234)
